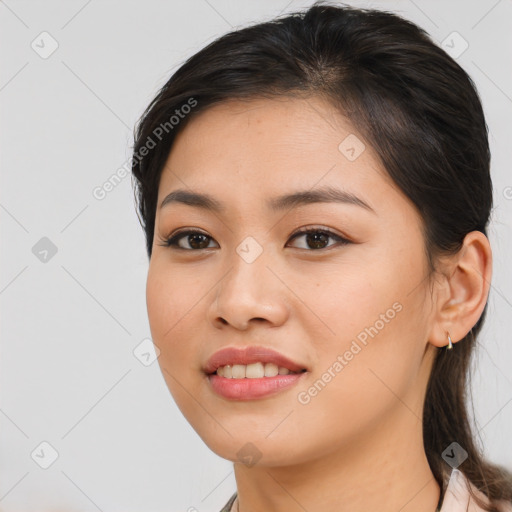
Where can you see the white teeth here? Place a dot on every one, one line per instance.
(271, 370)
(255, 371)
(238, 371)
(252, 371)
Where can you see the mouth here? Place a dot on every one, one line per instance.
(251, 373)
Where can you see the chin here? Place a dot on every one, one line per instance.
(254, 451)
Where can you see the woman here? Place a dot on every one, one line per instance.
(315, 194)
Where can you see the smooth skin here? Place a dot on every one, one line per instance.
(357, 444)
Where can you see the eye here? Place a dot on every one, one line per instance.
(196, 240)
(317, 238)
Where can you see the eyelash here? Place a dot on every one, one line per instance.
(172, 241)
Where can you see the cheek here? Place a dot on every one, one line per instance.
(170, 312)
(343, 299)
(169, 295)
(170, 305)
(374, 320)
(159, 303)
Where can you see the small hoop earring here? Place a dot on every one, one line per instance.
(450, 344)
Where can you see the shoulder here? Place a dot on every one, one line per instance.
(458, 498)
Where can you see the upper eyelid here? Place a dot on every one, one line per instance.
(302, 231)
(185, 230)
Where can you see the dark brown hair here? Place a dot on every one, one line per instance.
(412, 103)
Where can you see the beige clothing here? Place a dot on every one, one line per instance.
(458, 499)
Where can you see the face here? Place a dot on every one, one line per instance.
(346, 302)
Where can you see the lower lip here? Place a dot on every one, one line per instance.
(250, 389)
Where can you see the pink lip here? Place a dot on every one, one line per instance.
(250, 389)
(248, 355)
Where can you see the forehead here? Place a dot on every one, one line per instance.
(271, 139)
(303, 123)
(275, 128)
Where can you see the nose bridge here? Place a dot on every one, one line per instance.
(247, 273)
(249, 290)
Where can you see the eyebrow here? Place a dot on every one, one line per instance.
(287, 201)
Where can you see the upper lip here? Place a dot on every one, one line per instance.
(248, 355)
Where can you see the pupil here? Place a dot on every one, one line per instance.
(191, 239)
(318, 240)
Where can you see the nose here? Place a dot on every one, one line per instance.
(249, 293)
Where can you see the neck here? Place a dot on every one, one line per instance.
(384, 469)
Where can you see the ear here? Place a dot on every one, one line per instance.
(462, 293)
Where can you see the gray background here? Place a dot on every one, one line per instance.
(71, 321)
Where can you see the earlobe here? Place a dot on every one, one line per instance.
(463, 293)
